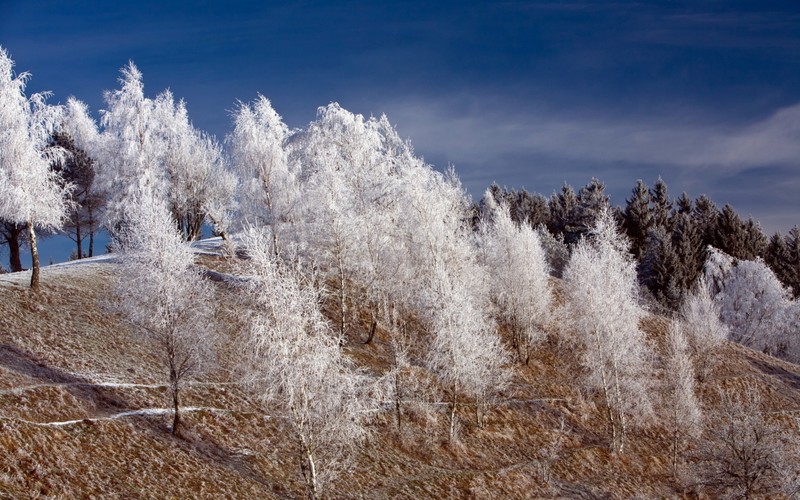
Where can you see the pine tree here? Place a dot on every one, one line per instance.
(660, 268)
(661, 205)
(683, 205)
(592, 200)
(706, 215)
(690, 252)
(638, 218)
(790, 275)
(563, 207)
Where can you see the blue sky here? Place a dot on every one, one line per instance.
(533, 94)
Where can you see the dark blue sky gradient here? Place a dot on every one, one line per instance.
(533, 94)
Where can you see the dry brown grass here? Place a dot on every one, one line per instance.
(55, 345)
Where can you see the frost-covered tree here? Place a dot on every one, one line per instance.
(744, 453)
(31, 193)
(148, 147)
(163, 295)
(268, 191)
(465, 352)
(130, 152)
(603, 304)
(353, 172)
(703, 327)
(294, 364)
(519, 271)
(754, 304)
(193, 163)
(682, 408)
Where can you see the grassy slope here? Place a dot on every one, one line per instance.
(54, 346)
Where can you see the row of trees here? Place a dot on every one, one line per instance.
(668, 238)
(343, 212)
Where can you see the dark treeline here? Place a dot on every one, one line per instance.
(668, 237)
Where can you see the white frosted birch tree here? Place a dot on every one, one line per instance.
(703, 327)
(684, 418)
(31, 193)
(268, 189)
(602, 295)
(519, 272)
(293, 363)
(130, 152)
(164, 296)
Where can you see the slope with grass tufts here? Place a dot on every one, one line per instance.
(83, 412)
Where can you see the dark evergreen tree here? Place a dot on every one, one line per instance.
(591, 201)
(791, 276)
(783, 257)
(687, 242)
(739, 239)
(683, 205)
(661, 205)
(660, 267)
(706, 215)
(755, 242)
(531, 208)
(637, 218)
(77, 168)
(563, 207)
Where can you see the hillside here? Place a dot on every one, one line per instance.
(83, 414)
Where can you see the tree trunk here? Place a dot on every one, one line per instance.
(78, 239)
(176, 417)
(14, 231)
(398, 397)
(91, 232)
(453, 414)
(312, 467)
(34, 257)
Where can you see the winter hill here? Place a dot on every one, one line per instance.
(84, 411)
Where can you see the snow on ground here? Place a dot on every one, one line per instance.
(209, 246)
(128, 413)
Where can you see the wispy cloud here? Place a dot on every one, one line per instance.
(478, 132)
(748, 164)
